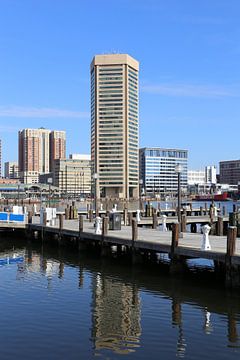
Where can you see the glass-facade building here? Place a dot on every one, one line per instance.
(158, 170)
(114, 125)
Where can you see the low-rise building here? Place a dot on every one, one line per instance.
(73, 176)
(11, 170)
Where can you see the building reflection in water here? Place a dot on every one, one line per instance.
(116, 316)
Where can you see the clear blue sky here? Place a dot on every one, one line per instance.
(189, 54)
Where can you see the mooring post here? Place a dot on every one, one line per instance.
(80, 224)
(125, 216)
(175, 237)
(184, 223)
(130, 218)
(223, 211)
(231, 241)
(201, 211)
(232, 279)
(155, 219)
(220, 226)
(60, 222)
(30, 217)
(90, 215)
(104, 227)
(134, 230)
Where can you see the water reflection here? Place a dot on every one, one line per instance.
(117, 309)
(116, 315)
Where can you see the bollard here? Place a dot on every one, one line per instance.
(205, 239)
(138, 216)
(98, 225)
(164, 222)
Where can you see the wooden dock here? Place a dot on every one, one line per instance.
(144, 242)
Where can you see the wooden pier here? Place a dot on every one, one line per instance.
(141, 243)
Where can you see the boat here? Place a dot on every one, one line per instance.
(212, 197)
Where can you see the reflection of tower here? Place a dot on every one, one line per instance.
(177, 321)
(116, 316)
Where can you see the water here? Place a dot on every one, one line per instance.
(60, 305)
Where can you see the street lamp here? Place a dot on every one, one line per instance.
(140, 192)
(95, 177)
(178, 170)
(49, 180)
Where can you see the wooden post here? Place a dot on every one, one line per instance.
(134, 230)
(91, 215)
(155, 219)
(220, 226)
(223, 211)
(231, 241)
(175, 237)
(201, 211)
(80, 224)
(30, 217)
(130, 216)
(88, 208)
(97, 212)
(104, 227)
(61, 222)
(184, 223)
(44, 218)
(125, 216)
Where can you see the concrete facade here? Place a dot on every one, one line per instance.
(114, 125)
(229, 172)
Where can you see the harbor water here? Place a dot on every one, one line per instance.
(56, 304)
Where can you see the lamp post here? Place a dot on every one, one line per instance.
(178, 170)
(49, 180)
(95, 177)
(140, 192)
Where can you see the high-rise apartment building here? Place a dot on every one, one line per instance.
(57, 146)
(114, 125)
(11, 170)
(158, 170)
(37, 150)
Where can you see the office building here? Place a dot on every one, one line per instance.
(114, 125)
(158, 170)
(229, 172)
(37, 150)
(57, 146)
(196, 177)
(211, 175)
(73, 177)
(11, 170)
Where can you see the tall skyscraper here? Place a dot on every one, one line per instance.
(34, 152)
(114, 125)
(57, 146)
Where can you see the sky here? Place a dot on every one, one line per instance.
(189, 54)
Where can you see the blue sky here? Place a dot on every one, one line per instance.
(189, 54)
